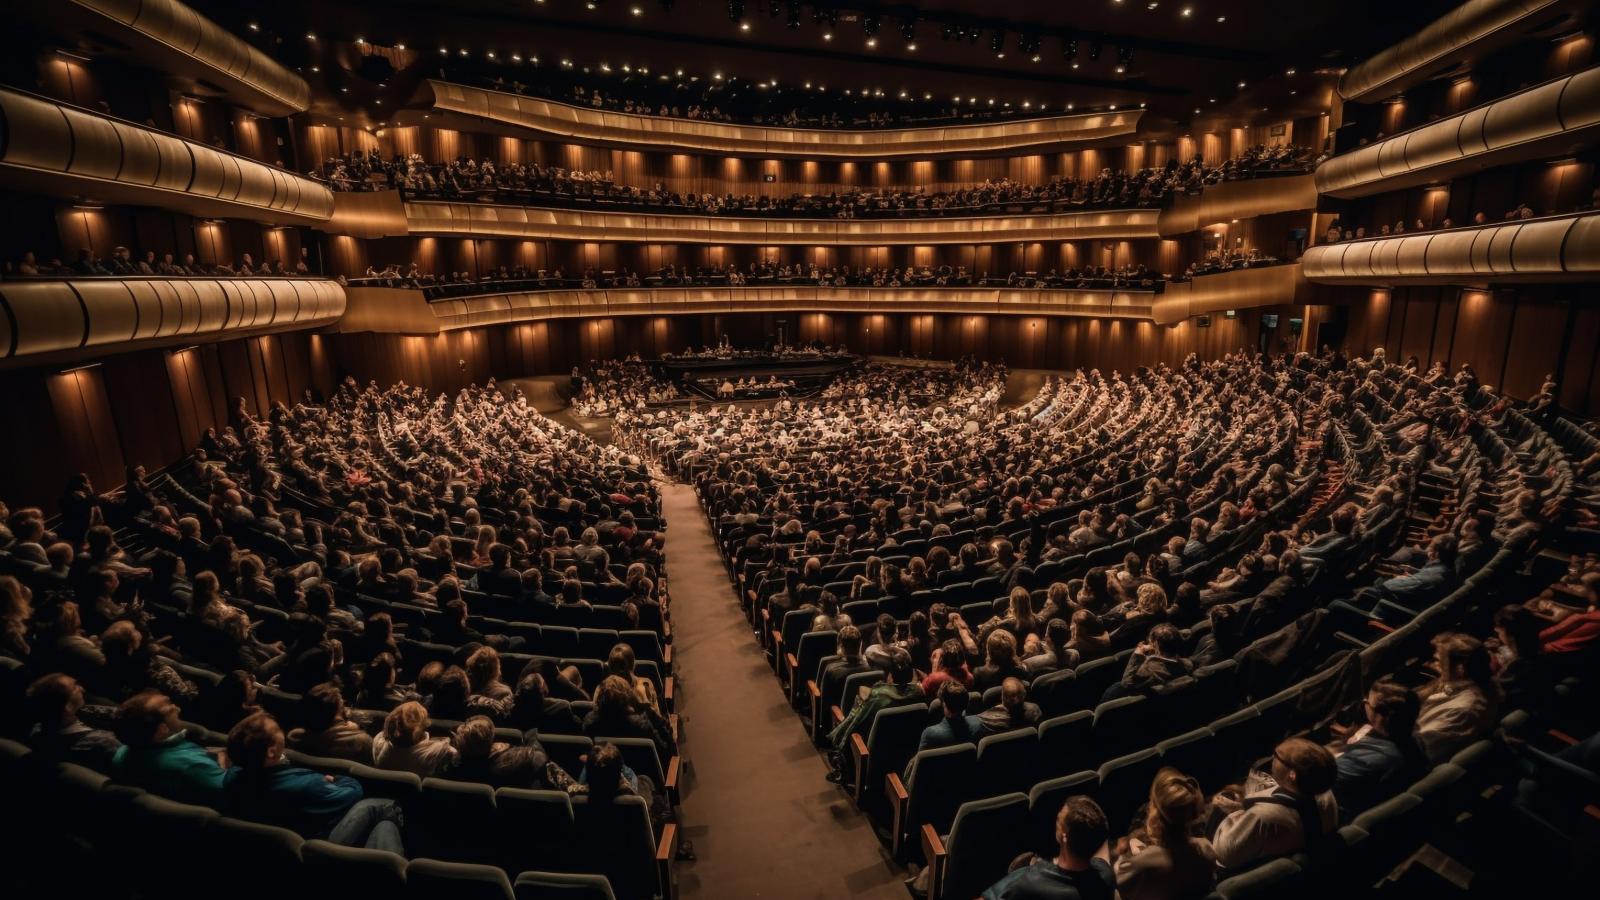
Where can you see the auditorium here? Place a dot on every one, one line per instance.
(800, 449)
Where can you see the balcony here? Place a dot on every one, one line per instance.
(470, 107)
(1552, 119)
(1239, 289)
(50, 320)
(1238, 200)
(1472, 30)
(54, 148)
(169, 37)
(407, 311)
(530, 223)
(1551, 249)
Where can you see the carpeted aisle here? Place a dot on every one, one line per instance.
(764, 821)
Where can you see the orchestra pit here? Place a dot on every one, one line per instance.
(800, 450)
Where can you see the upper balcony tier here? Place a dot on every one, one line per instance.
(532, 223)
(470, 107)
(174, 39)
(1552, 119)
(1472, 30)
(53, 148)
(1550, 249)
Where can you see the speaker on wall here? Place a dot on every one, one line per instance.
(1202, 321)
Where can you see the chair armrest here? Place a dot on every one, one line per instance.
(665, 851)
(672, 725)
(666, 689)
(790, 664)
(1376, 625)
(674, 768)
(934, 853)
(899, 799)
(862, 756)
(666, 655)
(1563, 737)
(814, 697)
(837, 713)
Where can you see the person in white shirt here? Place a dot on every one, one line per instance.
(1282, 817)
(1461, 705)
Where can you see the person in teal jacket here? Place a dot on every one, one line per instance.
(158, 756)
(262, 786)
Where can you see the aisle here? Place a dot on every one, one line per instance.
(764, 821)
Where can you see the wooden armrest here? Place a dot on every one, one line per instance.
(861, 756)
(665, 851)
(666, 688)
(674, 770)
(814, 700)
(1376, 625)
(813, 690)
(1592, 811)
(899, 799)
(838, 714)
(666, 655)
(933, 852)
(790, 664)
(1563, 737)
(672, 725)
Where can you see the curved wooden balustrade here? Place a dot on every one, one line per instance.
(1555, 248)
(533, 223)
(1557, 117)
(1240, 289)
(51, 320)
(405, 311)
(1238, 200)
(54, 148)
(171, 37)
(1473, 29)
(665, 133)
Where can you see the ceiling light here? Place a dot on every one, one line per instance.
(1241, 85)
(311, 35)
(912, 46)
(399, 46)
(1069, 106)
(1188, 11)
(1289, 72)
(316, 68)
(827, 35)
(744, 26)
(361, 40)
(444, 51)
(638, 11)
(1222, 19)
(254, 27)
(680, 73)
(872, 42)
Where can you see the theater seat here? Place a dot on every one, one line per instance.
(937, 783)
(1124, 725)
(274, 854)
(1124, 785)
(890, 744)
(1007, 763)
(614, 839)
(455, 821)
(533, 829)
(983, 839)
(341, 871)
(1054, 693)
(432, 879)
(557, 886)
(1276, 878)
(1064, 745)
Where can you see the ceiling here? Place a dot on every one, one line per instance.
(1196, 64)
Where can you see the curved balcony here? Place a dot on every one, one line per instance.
(642, 132)
(1473, 29)
(172, 38)
(1239, 289)
(55, 320)
(1551, 119)
(407, 311)
(1555, 248)
(1238, 200)
(529, 223)
(53, 148)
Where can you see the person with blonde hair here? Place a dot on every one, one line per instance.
(1460, 705)
(404, 746)
(1169, 862)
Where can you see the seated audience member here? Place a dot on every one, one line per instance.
(1013, 711)
(901, 687)
(1379, 759)
(1002, 651)
(158, 756)
(54, 701)
(404, 746)
(848, 661)
(1169, 860)
(956, 727)
(325, 728)
(533, 710)
(1459, 706)
(1435, 579)
(617, 714)
(1054, 652)
(1276, 820)
(1155, 663)
(264, 787)
(499, 764)
(1081, 869)
(1576, 632)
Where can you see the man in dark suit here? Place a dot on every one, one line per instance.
(957, 727)
(500, 579)
(1436, 577)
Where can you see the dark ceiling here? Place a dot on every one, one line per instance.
(1177, 56)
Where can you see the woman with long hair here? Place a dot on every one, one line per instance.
(1168, 862)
